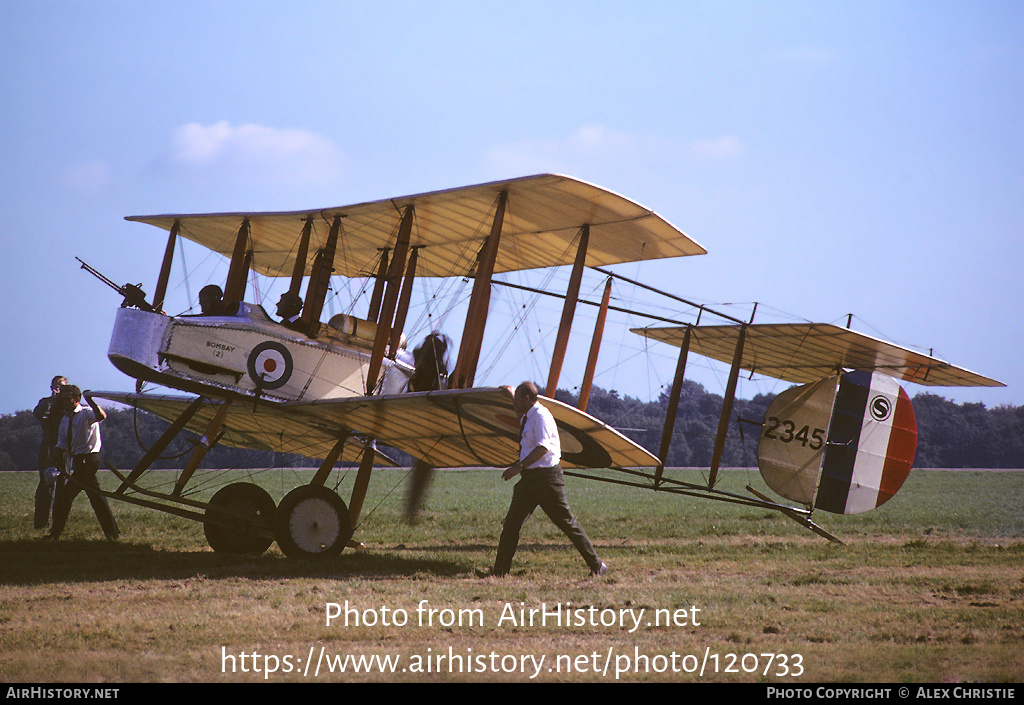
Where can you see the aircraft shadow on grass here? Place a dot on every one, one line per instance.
(31, 562)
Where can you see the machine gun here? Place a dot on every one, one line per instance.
(133, 294)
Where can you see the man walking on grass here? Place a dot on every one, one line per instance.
(540, 484)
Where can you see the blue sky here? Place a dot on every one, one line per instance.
(842, 157)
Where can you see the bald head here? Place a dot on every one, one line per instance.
(525, 397)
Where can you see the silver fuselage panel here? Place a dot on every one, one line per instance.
(248, 354)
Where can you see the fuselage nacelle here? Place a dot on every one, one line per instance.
(248, 354)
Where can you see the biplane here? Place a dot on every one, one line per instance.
(340, 391)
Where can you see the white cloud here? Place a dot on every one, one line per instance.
(273, 153)
(577, 153)
(593, 149)
(598, 139)
(197, 145)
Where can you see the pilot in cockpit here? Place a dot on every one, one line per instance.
(289, 308)
(431, 364)
(211, 300)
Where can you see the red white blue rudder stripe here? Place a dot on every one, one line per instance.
(872, 440)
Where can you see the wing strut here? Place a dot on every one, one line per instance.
(595, 346)
(165, 268)
(378, 286)
(403, 302)
(568, 311)
(329, 462)
(234, 287)
(387, 313)
(300, 257)
(673, 406)
(161, 444)
(476, 316)
(730, 396)
(320, 279)
(362, 483)
(206, 442)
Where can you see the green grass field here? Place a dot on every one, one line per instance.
(928, 588)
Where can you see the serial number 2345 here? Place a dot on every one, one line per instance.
(785, 430)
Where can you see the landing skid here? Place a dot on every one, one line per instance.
(659, 483)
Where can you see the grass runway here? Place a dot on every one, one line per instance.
(928, 588)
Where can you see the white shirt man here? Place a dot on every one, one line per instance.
(85, 433)
(79, 442)
(540, 431)
(541, 485)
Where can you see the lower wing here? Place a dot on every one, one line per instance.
(448, 428)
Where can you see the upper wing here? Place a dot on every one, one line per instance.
(805, 352)
(542, 219)
(450, 428)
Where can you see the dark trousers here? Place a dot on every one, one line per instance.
(47, 488)
(544, 488)
(45, 493)
(83, 477)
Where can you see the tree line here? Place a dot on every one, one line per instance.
(950, 435)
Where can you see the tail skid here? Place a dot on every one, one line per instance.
(672, 486)
(800, 519)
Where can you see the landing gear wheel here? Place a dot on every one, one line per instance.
(312, 521)
(240, 519)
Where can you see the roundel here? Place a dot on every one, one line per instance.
(880, 407)
(270, 365)
(579, 447)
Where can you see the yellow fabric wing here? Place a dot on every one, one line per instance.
(451, 428)
(805, 352)
(541, 223)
